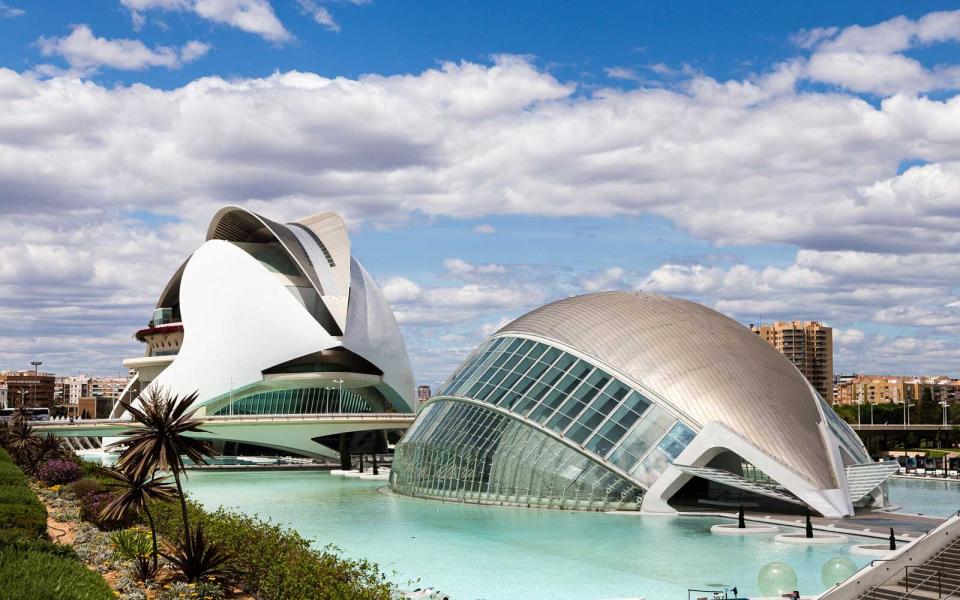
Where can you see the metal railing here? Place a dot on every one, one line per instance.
(83, 423)
(904, 573)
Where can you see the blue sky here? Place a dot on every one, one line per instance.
(787, 160)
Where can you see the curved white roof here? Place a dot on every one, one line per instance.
(240, 319)
(704, 364)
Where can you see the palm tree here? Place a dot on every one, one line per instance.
(47, 447)
(21, 440)
(161, 442)
(135, 495)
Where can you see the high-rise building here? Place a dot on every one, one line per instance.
(423, 393)
(808, 345)
(73, 388)
(29, 388)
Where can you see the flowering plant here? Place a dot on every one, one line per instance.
(56, 471)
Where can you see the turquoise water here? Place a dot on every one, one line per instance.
(496, 553)
(925, 496)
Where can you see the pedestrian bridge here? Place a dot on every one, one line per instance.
(285, 432)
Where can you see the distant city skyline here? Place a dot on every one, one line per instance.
(779, 162)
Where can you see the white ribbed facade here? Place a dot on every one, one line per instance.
(276, 319)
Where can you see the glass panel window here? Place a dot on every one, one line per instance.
(537, 351)
(550, 355)
(646, 433)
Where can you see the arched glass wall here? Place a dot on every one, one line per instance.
(297, 401)
(466, 452)
(582, 403)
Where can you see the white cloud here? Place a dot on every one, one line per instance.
(606, 279)
(320, 14)
(10, 12)
(252, 16)
(488, 329)
(86, 53)
(400, 289)
(870, 59)
(742, 162)
(191, 51)
(624, 73)
(464, 270)
(485, 229)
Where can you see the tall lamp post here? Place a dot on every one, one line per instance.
(859, 404)
(871, 413)
(944, 404)
(906, 413)
(36, 375)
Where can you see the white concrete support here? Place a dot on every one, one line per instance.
(714, 439)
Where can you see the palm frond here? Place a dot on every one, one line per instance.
(196, 557)
(133, 494)
(161, 441)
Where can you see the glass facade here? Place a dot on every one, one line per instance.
(582, 404)
(849, 441)
(311, 400)
(464, 452)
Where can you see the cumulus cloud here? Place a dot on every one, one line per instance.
(485, 228)
(746, 161)
(871, 60)
(86, 52)
(252, 16)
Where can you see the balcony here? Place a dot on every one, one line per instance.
(156, 329)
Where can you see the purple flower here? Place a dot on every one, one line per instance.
(58, 471)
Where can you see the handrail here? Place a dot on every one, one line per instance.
(905, 570)
(906, 582)
(81, 423)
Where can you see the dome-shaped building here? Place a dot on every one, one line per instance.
(629, 400)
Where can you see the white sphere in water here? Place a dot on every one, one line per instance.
(837, 569)
(776, 578)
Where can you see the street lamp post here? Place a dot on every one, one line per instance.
(21, 393)
(944, 404)
(906, 413)
(36, 375)
(859, 404)
(871, 413)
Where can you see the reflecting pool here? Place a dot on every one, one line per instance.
(925, 496)
(495, 553)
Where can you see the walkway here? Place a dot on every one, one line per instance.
(285, 432)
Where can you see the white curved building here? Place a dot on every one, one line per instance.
(630, 400)
(270, 318)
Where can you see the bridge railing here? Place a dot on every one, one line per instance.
(83, 423)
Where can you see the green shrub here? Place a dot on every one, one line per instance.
(30, 518)
(39, 545)
(87, 485)
(10, 474)
(39, 575)
(129, 544)
(21, 513)
(32, 567)
(276, 563)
